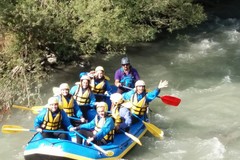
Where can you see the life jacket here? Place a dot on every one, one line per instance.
(116, 115)
(98, 87)
(99, 124)
(68, 107)
(138, 107)
(127, 80)
(82, 97)
(51, 123)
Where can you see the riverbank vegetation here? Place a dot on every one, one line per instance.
(37, 34)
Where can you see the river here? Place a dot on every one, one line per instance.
(202, 70)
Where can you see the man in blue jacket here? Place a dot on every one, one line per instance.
(54, 119)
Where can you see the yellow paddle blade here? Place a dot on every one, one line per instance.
(13, 129)
(106, 77)
(37, 108)
(34, 109)
(157, 132)
(135, 139)
(21, 107)
(109, 153)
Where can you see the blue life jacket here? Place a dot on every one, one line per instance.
(128, 80)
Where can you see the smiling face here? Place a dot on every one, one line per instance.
(101, 111)
(85, 83)
(53, 107)
(64, 91)
(99, 74)
(140, 89)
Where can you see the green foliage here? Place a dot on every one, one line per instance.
(71, 28)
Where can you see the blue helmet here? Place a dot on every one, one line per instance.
(82, 74)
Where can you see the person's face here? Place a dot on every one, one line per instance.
(85, 83)
(53, 107)
(101, 112)
(140, 89)
(99, 74)
(126, 66)
(64, 92)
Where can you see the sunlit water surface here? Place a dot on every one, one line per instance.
(203, 71)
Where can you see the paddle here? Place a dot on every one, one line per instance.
(170, 100)
(17, 129)
(135, 139)
(107, 153)
(154, 130)
(34, 109)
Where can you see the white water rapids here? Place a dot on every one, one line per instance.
(203, 71)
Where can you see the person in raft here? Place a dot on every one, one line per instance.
(69, 105)
(121, 113)
(54, 119)
(140, 98)
(83, 95)
(100, 130)
(99, 83)
(125, 76)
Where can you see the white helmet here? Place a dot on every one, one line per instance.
(64, 86)
(85, 77)
(52, 100)
(140, 83)
(116, 98)
(103, 104)
(99, 68)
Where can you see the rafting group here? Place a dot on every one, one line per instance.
(99, 114)
(69, 108)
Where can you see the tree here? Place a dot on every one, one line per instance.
(71, 28)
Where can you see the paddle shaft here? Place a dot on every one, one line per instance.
(21, 129)
(132, 88)
(107, 153)
(170, 100)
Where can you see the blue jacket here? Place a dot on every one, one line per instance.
(40, 118)
(149, 96)
(77, 111)
(107, 127)
(91, 97)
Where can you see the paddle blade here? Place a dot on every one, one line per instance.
(37, 109)
(135, 139)
(21, 107)
(170, 100)
(157, 132)
(12, 129)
